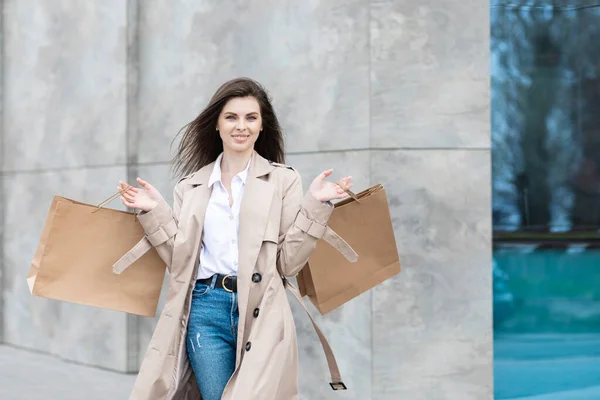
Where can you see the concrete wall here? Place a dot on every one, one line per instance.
(389, 92)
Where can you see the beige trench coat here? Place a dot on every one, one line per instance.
(279, 229)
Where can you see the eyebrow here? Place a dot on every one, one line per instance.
(231, 112)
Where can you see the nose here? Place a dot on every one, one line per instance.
(241, 125)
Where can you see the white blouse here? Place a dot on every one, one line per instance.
(219, 248)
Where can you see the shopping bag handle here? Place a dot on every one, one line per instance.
(111, 198)
(348, 191)
(334, 371)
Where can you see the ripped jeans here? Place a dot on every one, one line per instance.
(212, 338)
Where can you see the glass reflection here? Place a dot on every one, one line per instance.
(545, 77)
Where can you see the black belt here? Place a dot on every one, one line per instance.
(226, 282)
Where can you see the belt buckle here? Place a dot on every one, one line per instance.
(223, 284)
(338, 386)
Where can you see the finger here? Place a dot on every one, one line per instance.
(126, 203)
(144, 184)
(342, 195)
(324, 175)
(126, 192)
(125, 186)
(346, 186)
(346, 180)
(343, 182)
(129, 197)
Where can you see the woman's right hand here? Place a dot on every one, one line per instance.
(146, 198)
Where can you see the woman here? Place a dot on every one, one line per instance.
(239, 224)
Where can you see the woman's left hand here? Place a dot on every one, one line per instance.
(324, 191)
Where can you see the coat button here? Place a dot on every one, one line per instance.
(256, 277)
(256, 311)
(248, 346)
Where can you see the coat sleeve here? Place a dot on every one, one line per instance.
(161, 225)
(303, 221)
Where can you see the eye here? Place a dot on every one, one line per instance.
(230, 117)
(252, 118)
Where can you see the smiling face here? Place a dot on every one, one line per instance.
(239, 124)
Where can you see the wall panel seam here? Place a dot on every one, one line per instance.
(132, 326)
(2, 157)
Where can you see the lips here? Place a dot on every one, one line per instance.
(240, 138)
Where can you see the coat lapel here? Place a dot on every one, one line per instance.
(254, 217)
(191, 218)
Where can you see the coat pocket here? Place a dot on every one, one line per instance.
(269, 249)
(271, 234)
(265, 362)
(268, 327)
(163, 338)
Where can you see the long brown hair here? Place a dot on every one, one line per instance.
(201, 144)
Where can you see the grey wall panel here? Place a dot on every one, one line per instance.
(2, 156)
(430, 74)
(432, 323)
(64, 92)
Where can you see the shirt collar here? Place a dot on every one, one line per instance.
(216, 173)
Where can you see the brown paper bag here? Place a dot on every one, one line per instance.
(329, 279)
(75, 256)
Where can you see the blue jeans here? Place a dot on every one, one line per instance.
(212, 337)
